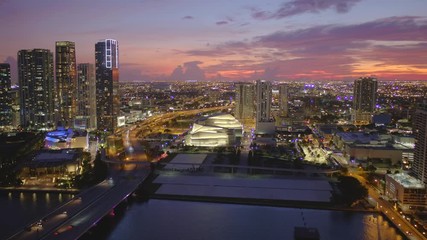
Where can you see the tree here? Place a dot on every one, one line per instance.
(344, 170)
(100, 168)
(351, 189)
(371, 168)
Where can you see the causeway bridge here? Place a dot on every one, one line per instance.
(76, 217)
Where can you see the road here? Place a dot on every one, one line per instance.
(75, 226)
(56, 217)
(388, 209)
(74, 218)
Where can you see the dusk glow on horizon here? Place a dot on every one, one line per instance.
(230, 40)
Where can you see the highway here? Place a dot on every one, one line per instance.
(74, 218)
(54, 218)
(75, 226)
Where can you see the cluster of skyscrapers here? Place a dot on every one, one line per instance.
(59, 92)
(253, 102)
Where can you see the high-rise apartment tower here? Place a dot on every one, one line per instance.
(419, 166)
(245, 102)
(35, 72)
(364, 99)
(107, 79)
(5, 97)
(66, 82)
(264, 123)
(86, 106)
(263, 101)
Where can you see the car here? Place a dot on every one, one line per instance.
(63, 229)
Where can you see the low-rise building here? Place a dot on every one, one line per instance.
(406, 190)
(63, 161)
(67, 138)
(372, 147)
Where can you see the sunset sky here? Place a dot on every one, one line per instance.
(230, 39)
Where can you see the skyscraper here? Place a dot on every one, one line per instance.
(107, 79)
(66, 82)
(281, 116)
(86, 106)
(364, 99)
(245, 104)
(35, 72)
(263, 101)
(14, 94)
(419, 166)
(283, 100)
(263, 121)
(5, 97)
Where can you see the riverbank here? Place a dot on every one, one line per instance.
(39, 190)
(261, 202)
(150, 190)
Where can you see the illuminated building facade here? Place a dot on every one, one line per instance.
(214, 131)
(245, 104)
(107, 79)
(419, 166)
(364, 100)
(5, 97)
(86, 106)
(283, 99)
(14, 94)
(66, 82)
(263, 101)
(35, 72)
(264, 123)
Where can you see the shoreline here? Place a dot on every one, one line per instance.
(39, 190)
(259, 202)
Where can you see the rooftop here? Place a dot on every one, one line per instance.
(406, 180)
(233, 186)
(184, 161)
(55, 155)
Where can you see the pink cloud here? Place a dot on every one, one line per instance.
(329, 51)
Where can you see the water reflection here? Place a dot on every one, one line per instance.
(164, 219)
(376, 227)
(22, 208)
(47, 198)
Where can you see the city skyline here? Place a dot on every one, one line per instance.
(238, 41)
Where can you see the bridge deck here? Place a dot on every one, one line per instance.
(74, 218)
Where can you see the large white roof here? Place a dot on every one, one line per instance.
(246, 187)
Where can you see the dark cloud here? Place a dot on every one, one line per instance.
(178, 73)
(188, 71)
(221, 23)
(296, 7)
(341, 38)
(188, 18)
